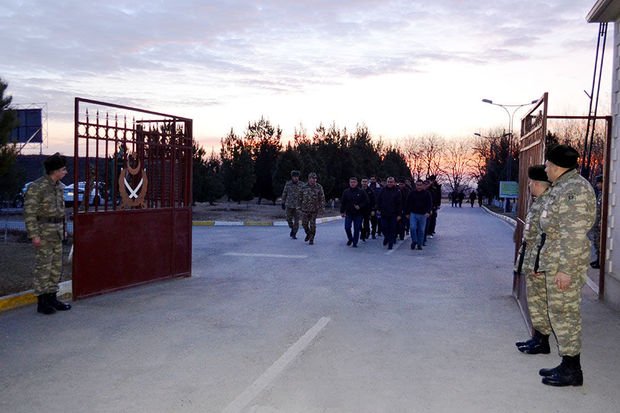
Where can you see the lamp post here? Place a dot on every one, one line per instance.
(510, 111)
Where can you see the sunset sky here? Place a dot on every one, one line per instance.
(403, 68)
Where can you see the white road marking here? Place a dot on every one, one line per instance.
(246, 254)
(276, 368)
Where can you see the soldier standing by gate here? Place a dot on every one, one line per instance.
(44, 216)
(291, 197)
(312, 202)
(535, 282)
(567, 216)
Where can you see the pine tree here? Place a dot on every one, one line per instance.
(8, 150)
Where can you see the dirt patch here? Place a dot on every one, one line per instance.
(251, 210)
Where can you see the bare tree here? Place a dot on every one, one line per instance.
(458, 166)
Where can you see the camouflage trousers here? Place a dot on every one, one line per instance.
(537, 302)
(48, 264)
(292, 217)
(565, 314)
(308, 221)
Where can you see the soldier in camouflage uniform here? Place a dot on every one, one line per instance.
(567, 216)
(312, 202)
(534, 281)
(44, 215)
(291, 197)
(595, 232)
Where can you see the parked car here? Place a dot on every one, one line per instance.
(18, 202)
(97, 193)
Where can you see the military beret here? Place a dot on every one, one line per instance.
(599, 178)
(312, 175)
(537, 173)
(294, 173)
(54, 162)
(563, 156)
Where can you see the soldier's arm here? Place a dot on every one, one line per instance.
(284, 193)
(577, 212)
(31, 208)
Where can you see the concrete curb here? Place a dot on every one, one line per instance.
(509, 220)
(253, 223)
(9, 302)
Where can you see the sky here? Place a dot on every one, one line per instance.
(402, 68)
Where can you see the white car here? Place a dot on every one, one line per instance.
(97, 193)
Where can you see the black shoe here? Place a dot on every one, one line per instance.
(385, 242)
(390, 246)
(307, 238)
(43, 305)
(291, 234)
(595, 264)
(354, 246)
(349, 242)
(58, 305)
(419, 247)
(311, 242)
(413, 245)
(535, 347)
(568, 373)
(374, 236)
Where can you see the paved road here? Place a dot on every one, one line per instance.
(268, 324)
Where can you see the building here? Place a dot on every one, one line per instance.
(609, 11)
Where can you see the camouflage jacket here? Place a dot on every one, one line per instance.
(291, 196)
(532, 234)
(567, 216)
(44, 200)
(312, 198)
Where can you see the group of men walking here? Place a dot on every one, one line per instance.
(369, 210)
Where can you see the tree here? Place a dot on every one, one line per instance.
(394, 164)
(9, 184)
(458, 166)
(214, 181)
(263, 140)
(199, 173)
(237, 168)
(288, 160)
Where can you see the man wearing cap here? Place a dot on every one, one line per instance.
(567, 216)
(44, 215)
(291, 197)
(526, 261)
(312, 203)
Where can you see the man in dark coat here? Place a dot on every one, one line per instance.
(353, 202)
(369, 212)
(389, 205)
(418, 209)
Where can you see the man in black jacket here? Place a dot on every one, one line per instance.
(369, 212)
(418, 209)
(353, 202)
(389, 204)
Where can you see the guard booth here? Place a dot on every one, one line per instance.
(532, 146)
(131, 197)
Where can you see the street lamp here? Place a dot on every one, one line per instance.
(511, 115)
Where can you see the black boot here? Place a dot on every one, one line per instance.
(539, 344)
(43, 305)
(568, 373)
(57, 305)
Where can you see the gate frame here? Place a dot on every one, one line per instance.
(139, 245)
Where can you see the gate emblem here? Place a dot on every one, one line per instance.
(132, 187)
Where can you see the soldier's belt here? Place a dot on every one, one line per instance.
(50, 220)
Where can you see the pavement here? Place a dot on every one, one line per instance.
(267, 324)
